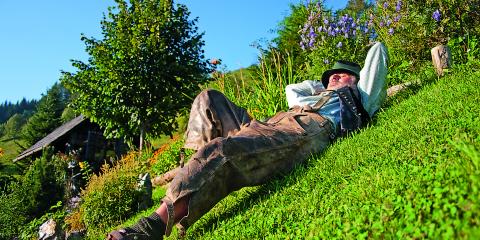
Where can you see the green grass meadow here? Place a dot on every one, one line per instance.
(414, 173)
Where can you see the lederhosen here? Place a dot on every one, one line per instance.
(235, 151)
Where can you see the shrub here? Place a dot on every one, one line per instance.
(41, 187)
(328, 37)
(30, 231)
(167, 157)
(401, 25)
(410, 28)
(112, 196)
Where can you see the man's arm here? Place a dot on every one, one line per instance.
(302, 92)
(372, 84)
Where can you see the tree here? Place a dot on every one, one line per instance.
(356, 7)
(48, 114)
(8, 109)
(148, 67)
(288, 39)
(13, 125)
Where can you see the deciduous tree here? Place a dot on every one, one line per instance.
(148, 66)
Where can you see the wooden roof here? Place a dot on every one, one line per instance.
(50, 138)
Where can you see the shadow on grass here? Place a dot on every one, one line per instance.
(250, 197)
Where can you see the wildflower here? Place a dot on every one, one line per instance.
(312, 33)
(311, 43)
(302, 46)
(381, 24)
(390, 31)
(82, 165)
(436, 15)
(397, 18)
(366, 30)
(325, 21)
(399, 6)
(326, 61)
(385, 4)
(389, 22)
(339, 45)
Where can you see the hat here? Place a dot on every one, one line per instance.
(341, 66)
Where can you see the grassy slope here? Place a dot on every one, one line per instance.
(11, 150)
(414, 173)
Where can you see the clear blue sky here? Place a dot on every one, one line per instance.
(38, 38)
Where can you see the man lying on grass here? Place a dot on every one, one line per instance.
(234, 151)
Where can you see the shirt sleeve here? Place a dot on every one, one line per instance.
(372, 84)
(300, 91)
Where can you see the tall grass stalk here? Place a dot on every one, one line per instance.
(264, 95)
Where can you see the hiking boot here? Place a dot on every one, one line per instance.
(147, 228)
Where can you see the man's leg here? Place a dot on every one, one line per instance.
(212, 115)
(256, 153)
(253, 155)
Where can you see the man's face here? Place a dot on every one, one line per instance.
(341, 79)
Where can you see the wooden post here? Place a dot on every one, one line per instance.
(441, 58)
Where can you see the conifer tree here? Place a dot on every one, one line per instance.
(47, 116)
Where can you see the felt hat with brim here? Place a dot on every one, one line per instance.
(341, 66)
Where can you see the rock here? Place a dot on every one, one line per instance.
(73, 203)
(75, 235)
(145, 184)
(441, 58)
(49, 230)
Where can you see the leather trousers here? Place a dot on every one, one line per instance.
(234, 151)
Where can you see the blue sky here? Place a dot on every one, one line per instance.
(38, 38)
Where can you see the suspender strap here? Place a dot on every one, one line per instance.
(322, 101)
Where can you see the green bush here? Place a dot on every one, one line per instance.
(112, 196)
(166, 158)
(410, 28)
(32, 196)
(30, 231)
(401, 25)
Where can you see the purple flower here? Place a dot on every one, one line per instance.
(366, 30)
(436, 15)
(397, 18)
(399, 6)
(320, 29)
(385, 4)
(311, 43)
(312, 33)
(389, 22)
(325, 21)
(381, 24)
(339, 45)
(390, 31)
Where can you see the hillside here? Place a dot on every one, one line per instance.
(413, 174)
